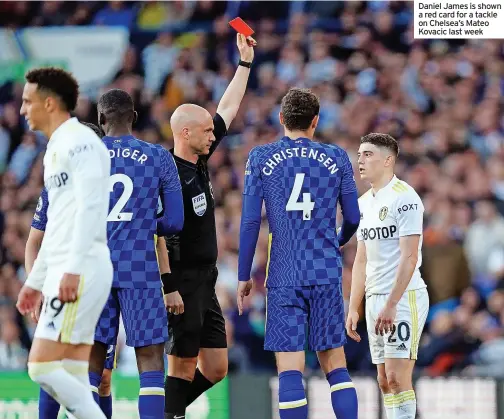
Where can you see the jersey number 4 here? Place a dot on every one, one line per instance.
(293, 204)
(115, 213)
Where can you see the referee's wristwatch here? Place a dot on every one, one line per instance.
(245, 63)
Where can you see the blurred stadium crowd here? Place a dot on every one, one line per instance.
(441, 99)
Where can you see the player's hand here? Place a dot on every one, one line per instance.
(246, 47)
(35, 314)
(244, 288)
(385, 320)
(351, 325)
(174, 303)
(69, 286)
(27, 300)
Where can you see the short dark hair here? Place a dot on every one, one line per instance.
(299, 107)
(58, 82)
(117, 106)
(96, 130)
(381, 140)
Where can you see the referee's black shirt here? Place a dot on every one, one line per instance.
(196, 245)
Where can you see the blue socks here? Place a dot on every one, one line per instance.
(106, 405)
(343, 395)
(291, 396)
(94, 381)
(151, 402)
(48, 407)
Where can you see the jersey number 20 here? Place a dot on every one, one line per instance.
(115, 213)
(306, 205)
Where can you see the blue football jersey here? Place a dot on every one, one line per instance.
(40, 217)
(140, 173)
(300, 181)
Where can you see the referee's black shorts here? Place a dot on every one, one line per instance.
(202, 323)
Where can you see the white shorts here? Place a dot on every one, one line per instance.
(403, 341)
(75, 323)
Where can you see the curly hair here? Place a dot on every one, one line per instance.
(299, 107)
(57, 82)
(381, 140)
(117, 106)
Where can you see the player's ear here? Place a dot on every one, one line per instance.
(314, 122)
(281, 118)
(101, 119)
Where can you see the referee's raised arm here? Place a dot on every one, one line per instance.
(198, 337)
(232, 97)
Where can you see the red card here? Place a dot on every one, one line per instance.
(241, 27)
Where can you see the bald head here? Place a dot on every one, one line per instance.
(192, 128)
(188, 116)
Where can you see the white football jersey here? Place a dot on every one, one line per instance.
(76, 176)
(395, 211)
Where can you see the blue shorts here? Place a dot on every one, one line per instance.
(111, 359)
(296, 316)
(143, 313)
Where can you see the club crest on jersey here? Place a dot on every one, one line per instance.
(383, 213)
(199, 204)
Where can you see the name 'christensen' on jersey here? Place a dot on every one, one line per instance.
(301, 182)
(395, 211)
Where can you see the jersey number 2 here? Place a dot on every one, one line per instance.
(306, 205)
(115, 213)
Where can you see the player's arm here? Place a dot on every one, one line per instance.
(231, 100)
(87, 172)
(408, 211)
(171, 218)
(37, 231)
(162, 255)
(349, 203)
(249, 226)
(357, 289)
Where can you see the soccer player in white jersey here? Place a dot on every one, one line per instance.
(386, 271)
(73, 269)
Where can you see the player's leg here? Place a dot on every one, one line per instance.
(385, 389)
(59, 358)
(183, 349)
(327, 336)
(48, 407)
(104, 341)
(105, 391)
(285, 335)
(401, 347)
(145, 323)
(374, 304)
(213, 355)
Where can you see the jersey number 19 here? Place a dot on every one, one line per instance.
(306, 205)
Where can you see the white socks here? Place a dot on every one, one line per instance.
(67, 381)
(400, 406)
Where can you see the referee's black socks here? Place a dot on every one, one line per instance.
(176, 391)
(199, 385)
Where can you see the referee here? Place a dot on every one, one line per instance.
(197, 334)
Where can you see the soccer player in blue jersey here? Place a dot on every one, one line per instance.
(48, 406)
(142, 173)
(301, 182)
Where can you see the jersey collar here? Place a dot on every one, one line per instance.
(187, 163)
(55, 134)
(299, 140)
(386, 187)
